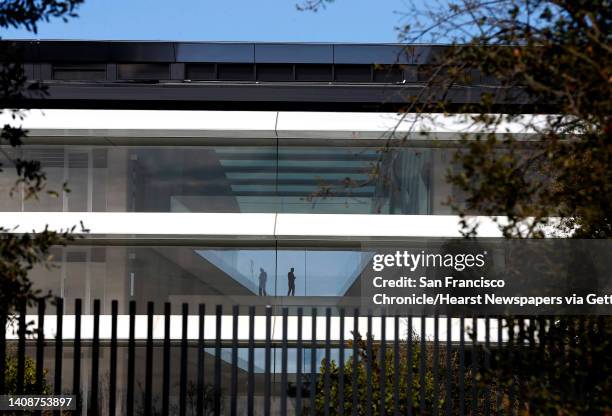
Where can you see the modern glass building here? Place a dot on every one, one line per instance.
(206, 172)
(229, 160)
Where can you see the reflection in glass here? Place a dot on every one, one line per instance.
(292, 179)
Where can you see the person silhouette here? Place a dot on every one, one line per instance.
(291, 282)
(263, 277)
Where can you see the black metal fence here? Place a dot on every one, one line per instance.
(415, 371)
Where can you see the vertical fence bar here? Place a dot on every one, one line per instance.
(511, 365)
(369, 366)
(234, 383)
(409, 354)
(3, 322)
(569, 351)
(200, 392)
(313, 360)
(499, 397)
(532, 347)
(556, 343)
(59, 348)
(383, 363)
(251, 376)
(326, 380)
(487, 364)
(76, 364)
(448, 390)
(166, 361)
(595, 334)
(422, 369)
(217, 397)
(396, 366)
(519, 351)
(40, 346)
(583, 340)
(131, 360)
(542, 341)
(184, 358)
(341, 365)
(462, 366)
(21, 332)
(148, 402)
(112, 382)
(267, 378)
(474, 365)
(436, 365)
(354, 380)
(95, 358)
(299, 359)
(284, 365)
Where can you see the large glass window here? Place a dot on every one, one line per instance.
(330, 178)
(364, 180)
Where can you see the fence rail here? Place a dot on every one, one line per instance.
(283, 368)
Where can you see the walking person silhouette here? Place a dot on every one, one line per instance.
(291, 281)
(263, 277)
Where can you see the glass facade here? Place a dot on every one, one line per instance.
(232, 175)
(334, 178)
(201, 274)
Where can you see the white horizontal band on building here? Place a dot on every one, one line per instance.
(140, 327)
(252, 225)
(253, 124)
(271, 225)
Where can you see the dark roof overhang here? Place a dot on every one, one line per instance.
(176, 89)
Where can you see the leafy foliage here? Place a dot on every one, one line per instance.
(14, 87)
(361, 388)
(546, 57)
(551, 59)
(409, 387)
(538, 57)
(19, 253)
(19, 250)
(557, 366)
(29, 13)
(29, 381)
(547, 366)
